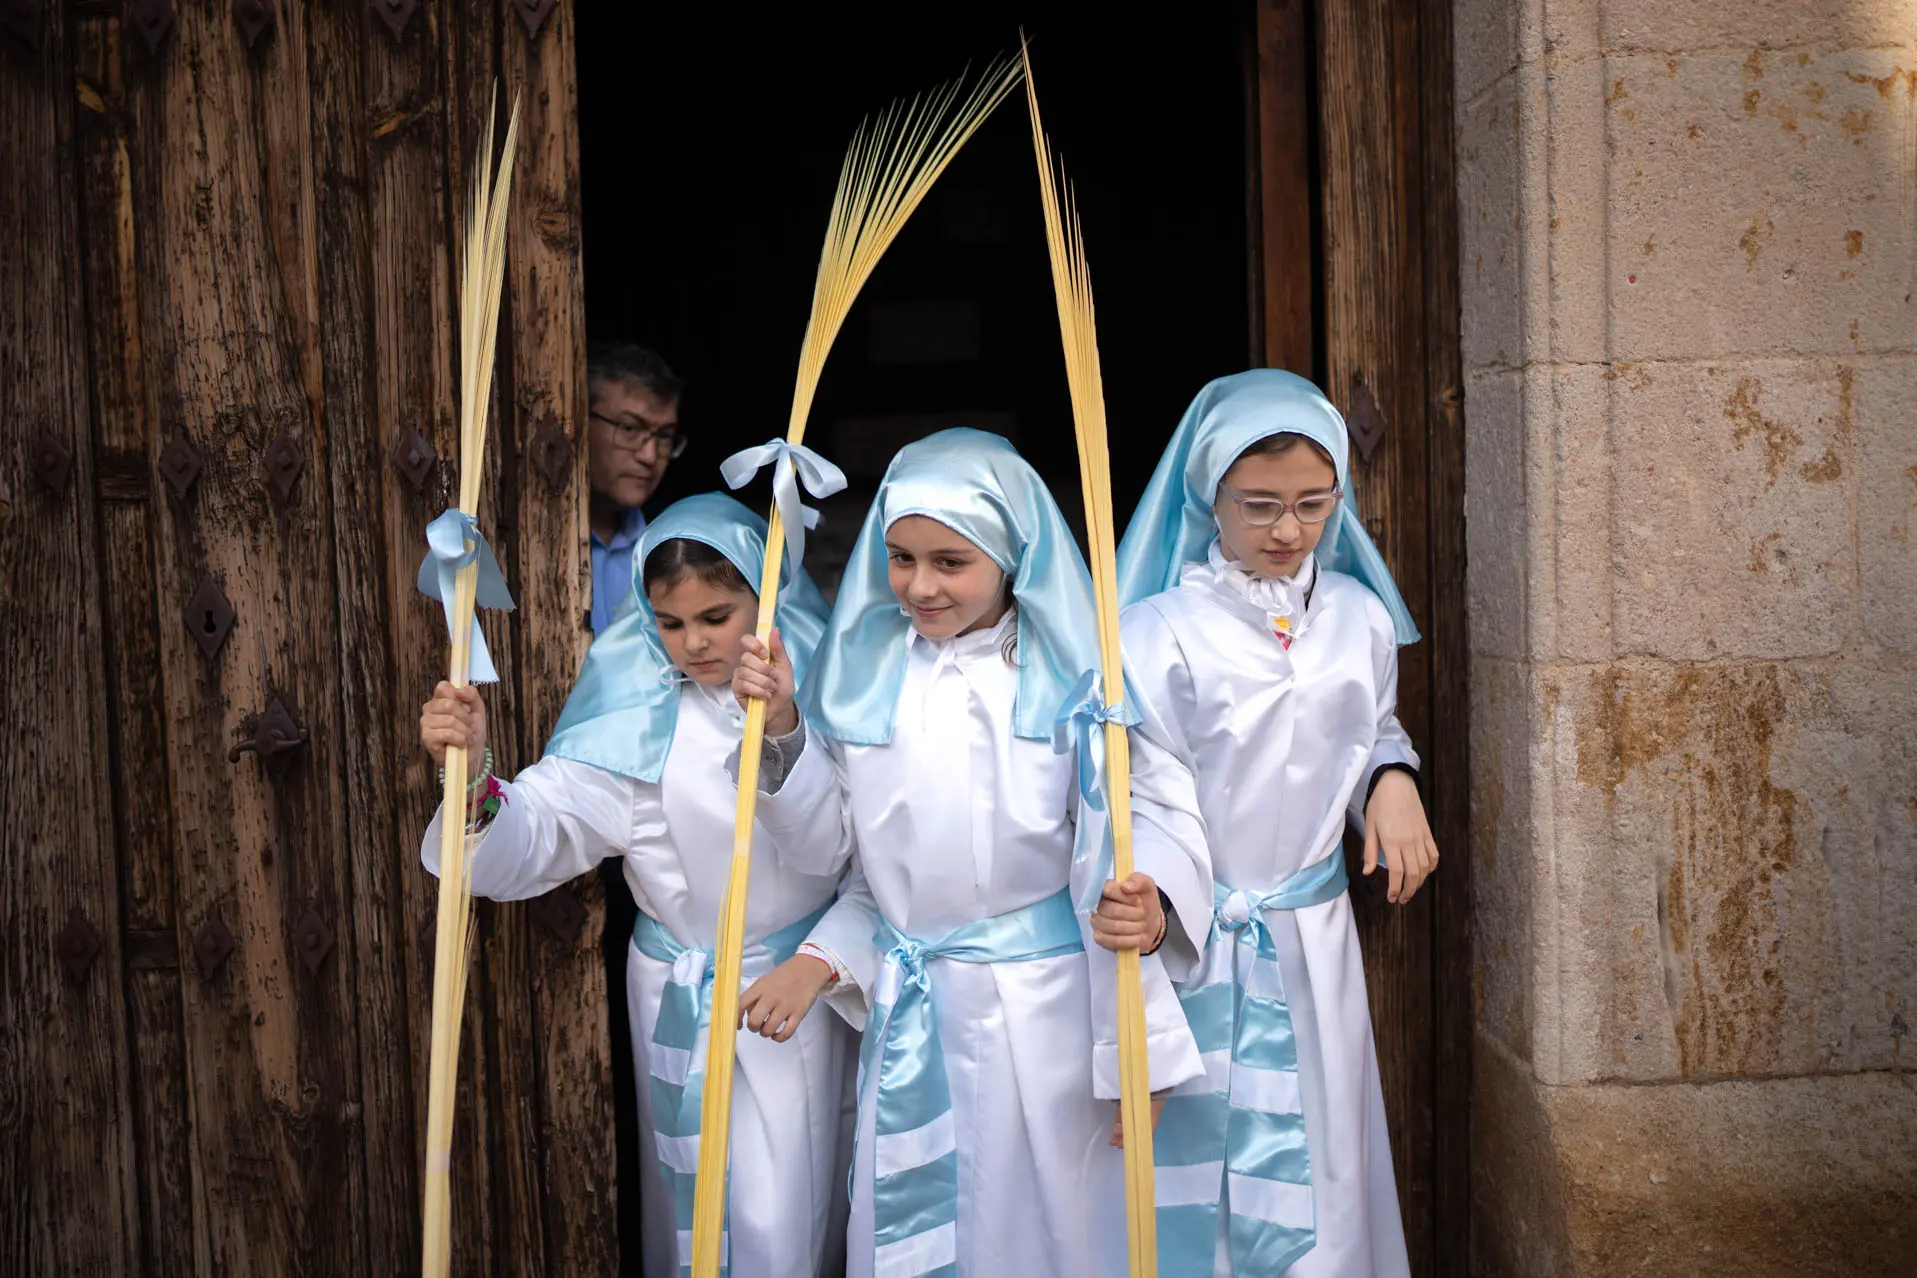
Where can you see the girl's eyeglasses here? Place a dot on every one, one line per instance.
(1263, 512)
(637, 436)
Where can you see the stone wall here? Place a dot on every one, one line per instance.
(1688, 255)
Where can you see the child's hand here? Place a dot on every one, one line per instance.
(774, 1004)
(455, 717)
(1395, 822)
(1118, 1123)
(1128, 916)
(767, 676)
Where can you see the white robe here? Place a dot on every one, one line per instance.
(958, 820)
(1262, 754)
(790, 1135)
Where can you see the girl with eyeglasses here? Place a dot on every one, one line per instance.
(1261, 648)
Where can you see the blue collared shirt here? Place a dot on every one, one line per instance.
(612, 568)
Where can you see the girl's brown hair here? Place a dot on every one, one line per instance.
(671, 562)
(1271, 445)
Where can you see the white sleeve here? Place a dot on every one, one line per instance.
(844, 939)
(1392, 743)
(559, 820)
(1168, 843)
(806, 819)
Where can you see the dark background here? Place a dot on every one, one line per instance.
(711, 140)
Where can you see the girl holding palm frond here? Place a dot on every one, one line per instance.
(638, 769)
(965, 618)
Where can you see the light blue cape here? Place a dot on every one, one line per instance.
(977, 485)
(1174, 524)
(623, 709)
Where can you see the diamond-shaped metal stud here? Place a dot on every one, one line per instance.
(253, 17)
(283, 462)
(533, 13)
(1367, 421)
(52, 460)
(77, 946)
(312, 939)
(397, 14)
(551, 451)
(209, 617)
(152, 19)
(180, 465)
(212, 947)
(560, 913)
(414, 459)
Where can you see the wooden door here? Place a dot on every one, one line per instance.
(1354, 245)
(227, 301)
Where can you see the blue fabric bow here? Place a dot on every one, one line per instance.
(790, 462)
(1243, 1124)
(915, 1161)
(453, 541)
(1082, 714)
(680, 1039)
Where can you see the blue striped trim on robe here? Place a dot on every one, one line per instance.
(678, 1055)
(1238, 1134)
(915, 1154)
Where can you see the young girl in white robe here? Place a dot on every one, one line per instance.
(964, 620)
(638, 768)
(1263, 662)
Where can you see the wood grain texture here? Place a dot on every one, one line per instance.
(1448, 752)
(1281, 57)
(124, 436)
(66, 1114)
(228, 298)
(548, 394)
(1372, 205)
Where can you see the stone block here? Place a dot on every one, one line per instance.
(1489, 221)
(1761, 204)
(1583, 564)
(1569, 219)
(1884, 403)
(1754, 908)
(1497, 520)
(1484, 36)
(1733, 488)
(1781, 1177)
(1658, 26)
(1504, 853)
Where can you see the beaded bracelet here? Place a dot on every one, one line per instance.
(477, 783)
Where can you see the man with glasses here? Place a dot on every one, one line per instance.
(633, 429)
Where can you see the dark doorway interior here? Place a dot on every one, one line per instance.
(711, 138)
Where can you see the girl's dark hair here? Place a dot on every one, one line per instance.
(1271, 445)
(671, 562)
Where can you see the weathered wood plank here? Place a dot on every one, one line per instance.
(229, 304)
(372, 717)
(1447, 787)
(1281, 116)
(105, 124)
(1374, 345)
(412, 211)
(66, 1120)
(549, 402)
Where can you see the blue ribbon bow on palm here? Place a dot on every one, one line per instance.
(453, 541)
(790, 463)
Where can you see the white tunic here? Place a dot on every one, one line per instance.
(1266, 752)
(789, 1102)
(958, 820)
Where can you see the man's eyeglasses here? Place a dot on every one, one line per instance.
(1263, 512)
(638, 436)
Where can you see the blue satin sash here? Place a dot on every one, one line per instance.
(678, 1052)
(1241, 1128)
(915, 1159)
